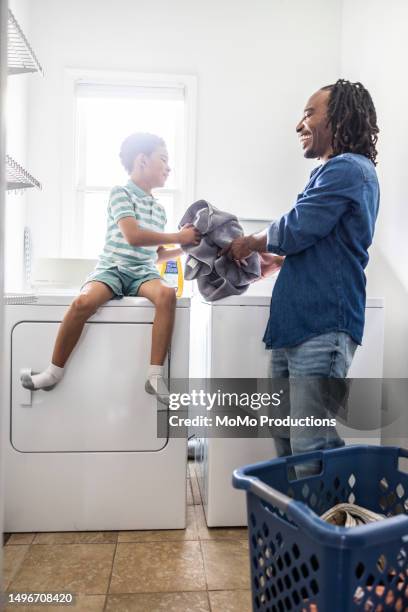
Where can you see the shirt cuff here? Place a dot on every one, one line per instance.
(272, 234)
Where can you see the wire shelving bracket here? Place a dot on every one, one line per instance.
(21, 57)
(17, 177)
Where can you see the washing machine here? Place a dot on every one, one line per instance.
(227, 343)
(86, 455)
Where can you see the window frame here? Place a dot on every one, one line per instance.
(71, 228)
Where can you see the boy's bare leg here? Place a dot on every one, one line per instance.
(93, 295)
(164, 299)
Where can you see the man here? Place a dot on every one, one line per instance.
(318, 306)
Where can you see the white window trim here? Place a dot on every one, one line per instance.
(69, 239)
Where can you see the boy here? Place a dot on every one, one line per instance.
(134, 244)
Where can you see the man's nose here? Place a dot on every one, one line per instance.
(299, 126)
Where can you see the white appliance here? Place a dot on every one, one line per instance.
(227, 343)
(85, 456)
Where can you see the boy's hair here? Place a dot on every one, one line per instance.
(353, 119)
(135, 144)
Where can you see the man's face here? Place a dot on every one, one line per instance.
(314, 133)
(156, 167)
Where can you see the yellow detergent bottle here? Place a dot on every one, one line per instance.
(172, 272)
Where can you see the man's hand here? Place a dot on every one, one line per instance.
(238, 249)
(242, 247)
(270, 264)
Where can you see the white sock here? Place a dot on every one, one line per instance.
(46, 379)
(155, 378)
(155, 370)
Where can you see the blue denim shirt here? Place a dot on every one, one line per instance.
(325, 237)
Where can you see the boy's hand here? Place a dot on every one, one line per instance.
(164, 254)
(189, 235)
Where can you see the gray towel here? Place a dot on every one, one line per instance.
(217, 277)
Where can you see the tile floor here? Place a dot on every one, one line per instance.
(193, 570)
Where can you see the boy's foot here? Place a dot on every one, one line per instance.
(45, 380)
(155, 385)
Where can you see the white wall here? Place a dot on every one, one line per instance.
(256, 64)
(17, 147)
(374, 51)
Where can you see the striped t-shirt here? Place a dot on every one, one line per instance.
(131, 201)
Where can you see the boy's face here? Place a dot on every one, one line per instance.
(155, 167)
(314, 133)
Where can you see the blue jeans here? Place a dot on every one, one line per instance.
(307, 365)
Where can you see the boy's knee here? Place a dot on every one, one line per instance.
(83, 306)
(166, 298)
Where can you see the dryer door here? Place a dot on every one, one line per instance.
(100, 405)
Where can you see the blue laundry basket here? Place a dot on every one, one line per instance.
(301, 563)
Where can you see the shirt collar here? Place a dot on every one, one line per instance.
(138, 191)
(313, 172)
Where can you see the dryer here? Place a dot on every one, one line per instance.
(227, 343)
(86, 456)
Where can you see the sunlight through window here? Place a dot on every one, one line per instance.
(105, 116)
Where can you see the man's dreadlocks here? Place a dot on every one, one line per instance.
(352, 117)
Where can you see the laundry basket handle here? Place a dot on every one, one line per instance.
(268, 494)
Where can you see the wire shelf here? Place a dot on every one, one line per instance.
(19, 299)
(17, 177)
(21, 57)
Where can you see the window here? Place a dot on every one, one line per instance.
(105, 112)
